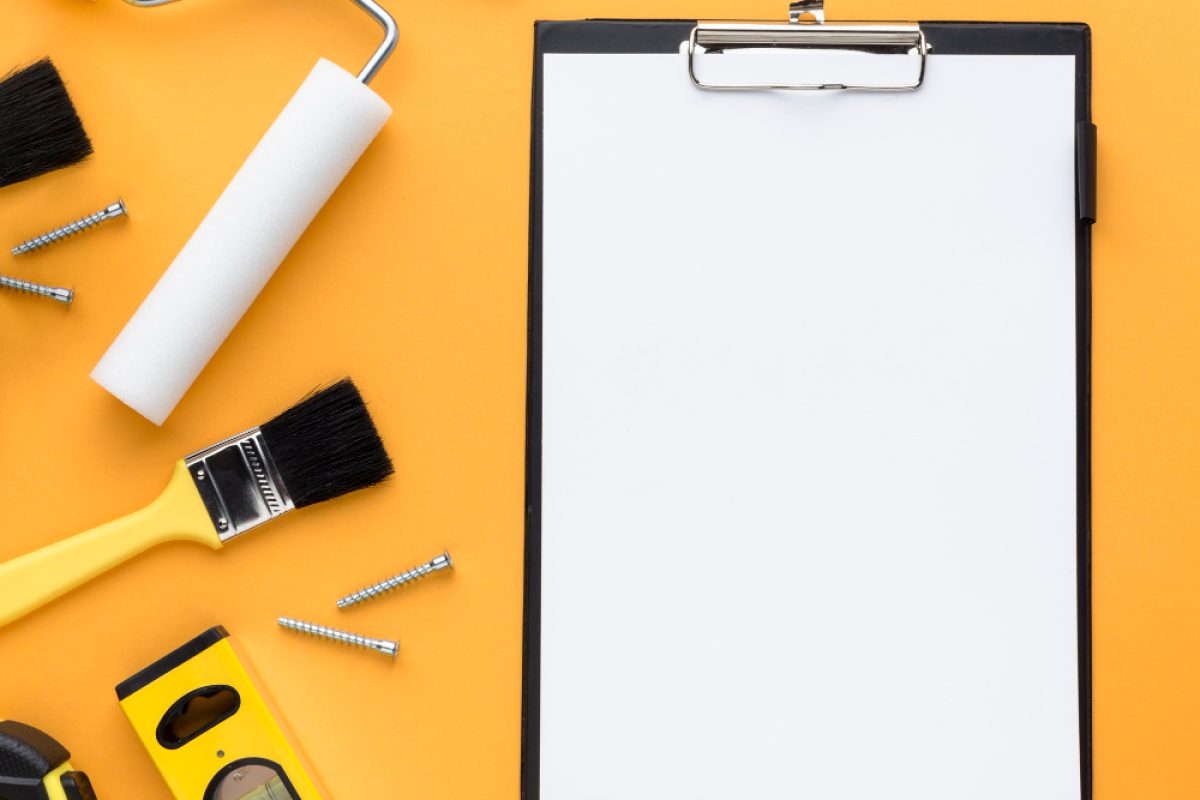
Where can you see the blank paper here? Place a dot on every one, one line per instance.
(809, 436)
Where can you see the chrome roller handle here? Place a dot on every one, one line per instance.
(391, 33)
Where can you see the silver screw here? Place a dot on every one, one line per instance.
(395, 582)
(53, 292)
(117, 209)
(385, 646)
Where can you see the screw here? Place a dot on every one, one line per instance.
(415, 574)
(117, 209)
(53, 292)
(385, 646)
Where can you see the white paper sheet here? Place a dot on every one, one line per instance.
(809, 457)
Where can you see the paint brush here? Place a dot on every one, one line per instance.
(322, 448)
(39, 128)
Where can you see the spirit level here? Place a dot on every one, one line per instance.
(209, 730)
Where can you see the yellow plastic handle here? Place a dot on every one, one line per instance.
(31, 581)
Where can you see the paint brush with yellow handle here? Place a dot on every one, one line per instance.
(321, 448)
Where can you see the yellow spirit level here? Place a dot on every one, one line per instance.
(209, 730)
(34, 766)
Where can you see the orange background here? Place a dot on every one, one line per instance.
(413, 281)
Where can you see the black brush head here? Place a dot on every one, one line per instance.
(326, 445)
(39, 129)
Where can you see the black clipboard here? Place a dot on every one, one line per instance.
(953, 38)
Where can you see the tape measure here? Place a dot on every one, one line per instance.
(34, 766)
(209, 730)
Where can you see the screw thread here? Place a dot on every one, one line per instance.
(70, 229)
(334, 635)
(28, 287)
(396, 581)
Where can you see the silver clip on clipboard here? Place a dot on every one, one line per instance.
(896, 51)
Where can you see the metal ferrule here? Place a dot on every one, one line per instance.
(239, 483)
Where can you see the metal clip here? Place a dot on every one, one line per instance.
(807, 30)
(813, 8)
(390, 32)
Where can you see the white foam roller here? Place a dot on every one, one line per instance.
(262, 213)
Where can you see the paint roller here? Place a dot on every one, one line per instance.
(261, 215)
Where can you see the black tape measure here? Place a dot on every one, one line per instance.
(34, 766)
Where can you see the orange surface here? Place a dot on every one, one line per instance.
(413, 282)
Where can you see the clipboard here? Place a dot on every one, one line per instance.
(853, 639)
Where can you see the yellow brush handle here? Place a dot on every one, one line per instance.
(28, 582)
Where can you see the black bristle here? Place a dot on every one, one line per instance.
(39, 129)
(326, 445)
